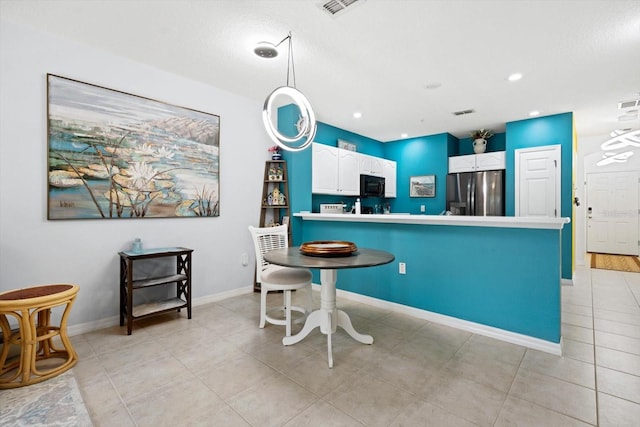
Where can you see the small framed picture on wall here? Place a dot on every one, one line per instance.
(422, 186)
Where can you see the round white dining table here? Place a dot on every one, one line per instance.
(328, 317)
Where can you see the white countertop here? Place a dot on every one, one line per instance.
(469, 221)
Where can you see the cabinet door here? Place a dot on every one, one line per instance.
(324, 169)
(462, 163)
(348, 173)
(390, 178)
(490, 161)
(370, 165)
(364, 164)
(377, 168)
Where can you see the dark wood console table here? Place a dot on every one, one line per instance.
(181, 279)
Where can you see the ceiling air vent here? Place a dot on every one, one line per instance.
(629, 104)
(334, 6)
(463, 112)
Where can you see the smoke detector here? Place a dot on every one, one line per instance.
(332, 7)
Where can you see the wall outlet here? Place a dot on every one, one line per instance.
(244, 258)
(422, 209)
(402, 268)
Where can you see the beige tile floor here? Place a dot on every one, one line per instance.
(219, 369)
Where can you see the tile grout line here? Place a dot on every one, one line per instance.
(115, 389)
(513, 380)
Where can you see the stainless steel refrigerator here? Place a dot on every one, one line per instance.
(476, 193)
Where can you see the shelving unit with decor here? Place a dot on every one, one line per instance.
(274, 203)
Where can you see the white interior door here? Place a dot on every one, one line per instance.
(612, 213)
(537, 189)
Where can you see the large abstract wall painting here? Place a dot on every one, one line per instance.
(117, 155)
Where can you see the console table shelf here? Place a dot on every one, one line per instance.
(181, 280)
(143, 283)
(157, 307)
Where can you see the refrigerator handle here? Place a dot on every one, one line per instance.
(470, 198)
(473, 195)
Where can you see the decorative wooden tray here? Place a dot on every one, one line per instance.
(328, 248)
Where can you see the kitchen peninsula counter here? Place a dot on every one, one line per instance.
(453, 220)
(495, 276)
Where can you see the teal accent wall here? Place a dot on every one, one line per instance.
(426, 155)
(429, 155)
(329, 135)
(480, 274)
(536, 132)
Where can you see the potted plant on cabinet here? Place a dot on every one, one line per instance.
(480, 138)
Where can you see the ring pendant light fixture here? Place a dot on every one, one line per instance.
(306, 125)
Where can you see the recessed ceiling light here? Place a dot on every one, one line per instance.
(514, 77)
(357, 114)
(534, 113)
(404, 135)
(265, 50)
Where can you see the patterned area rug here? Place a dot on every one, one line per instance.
(615, 262)
(54, 402)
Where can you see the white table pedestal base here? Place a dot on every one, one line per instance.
(328, 317)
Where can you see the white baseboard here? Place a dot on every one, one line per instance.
(476, 328)
(208, 299)
(83, 328)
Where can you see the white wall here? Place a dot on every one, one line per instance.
(34, 250)
(589, 153)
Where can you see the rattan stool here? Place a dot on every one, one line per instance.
(31, 307)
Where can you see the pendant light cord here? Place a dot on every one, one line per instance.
(290, 59)
(291, 68)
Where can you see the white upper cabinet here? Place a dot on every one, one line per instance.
(370, 165)
(390, 177)
(491, 161)
(337, 171)
(348, 176)
(324, 169)
(334, 171)
(462, 163)
(477, 162)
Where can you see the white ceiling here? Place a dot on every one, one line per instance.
(379, 56)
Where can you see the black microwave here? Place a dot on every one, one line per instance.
(371, 186)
